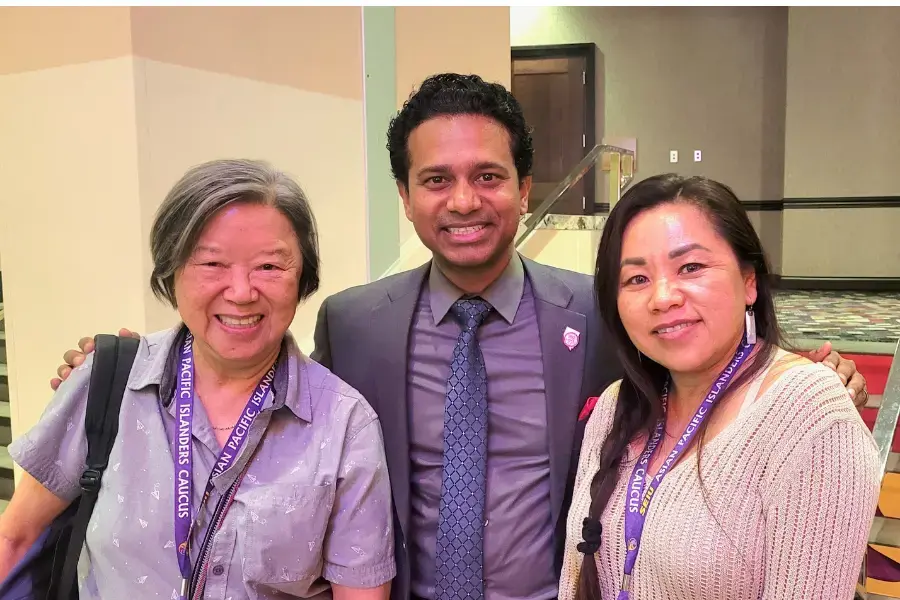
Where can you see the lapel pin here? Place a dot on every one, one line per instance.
(570, 338)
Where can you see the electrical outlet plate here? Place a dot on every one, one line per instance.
(673, 156)
(697, 156)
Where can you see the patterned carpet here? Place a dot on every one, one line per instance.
(849, 316)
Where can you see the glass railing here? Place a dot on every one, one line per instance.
(885, 528)
(888, 412)
(618, 162)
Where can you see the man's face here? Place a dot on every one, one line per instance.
(464, 197)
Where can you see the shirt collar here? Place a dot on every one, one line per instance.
(505, 294)
(157, 364)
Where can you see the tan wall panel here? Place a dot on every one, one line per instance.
(473, 39)
(843, 102)
(69, 217)
(318, 49)
(842, 140)
(843, 242)
(187, 116)
(33, 38)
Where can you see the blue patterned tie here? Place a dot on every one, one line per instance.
(461, 520)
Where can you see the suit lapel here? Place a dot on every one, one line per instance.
(391, 324)
(563, 372)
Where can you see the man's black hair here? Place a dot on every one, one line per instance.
(455, 94)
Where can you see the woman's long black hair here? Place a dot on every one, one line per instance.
(639, 404)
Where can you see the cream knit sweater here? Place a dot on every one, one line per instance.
(793, 482)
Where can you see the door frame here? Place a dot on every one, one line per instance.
(588, 51)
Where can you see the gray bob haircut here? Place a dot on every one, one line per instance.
(206, 189)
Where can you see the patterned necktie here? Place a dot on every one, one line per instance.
(460, 532)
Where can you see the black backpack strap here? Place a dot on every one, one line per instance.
(113, 359)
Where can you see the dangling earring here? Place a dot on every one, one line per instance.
(751, 326)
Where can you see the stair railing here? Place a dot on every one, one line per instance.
(884, 431)
(619, 162)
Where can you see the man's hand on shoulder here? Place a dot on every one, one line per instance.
(846, 370)
(73, 358)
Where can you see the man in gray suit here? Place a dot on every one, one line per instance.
(478, 362)
(461, 154)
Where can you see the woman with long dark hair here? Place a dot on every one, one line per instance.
(721, 466)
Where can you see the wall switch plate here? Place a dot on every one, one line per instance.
(673, 156)
(697, 156)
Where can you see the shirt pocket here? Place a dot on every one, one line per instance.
(284, 535)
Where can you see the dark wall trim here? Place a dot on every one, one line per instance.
(808, 203)
(763, 205)
(834, 202)
(589, 52)
(843, 202)
(553, 50)
(749, 205)
(843, 284)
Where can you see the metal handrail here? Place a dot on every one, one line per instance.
(574, 176)
(883, 432)
(888, 412)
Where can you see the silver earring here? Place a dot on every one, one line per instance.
(751, 326)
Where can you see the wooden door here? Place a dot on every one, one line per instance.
(552, 93)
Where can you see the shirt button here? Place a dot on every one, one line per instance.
(218, 570)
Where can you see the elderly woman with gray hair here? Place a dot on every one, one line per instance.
(295, 476)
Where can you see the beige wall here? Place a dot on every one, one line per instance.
(843, 95)
(472, 40)
(96, 130)
(842, 242)
(575, 250)
(271, 44)
(70, 229)
(36, 38)
(842, 140)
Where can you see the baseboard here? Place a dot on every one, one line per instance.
(844, 284)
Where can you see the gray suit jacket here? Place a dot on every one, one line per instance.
(362, 335)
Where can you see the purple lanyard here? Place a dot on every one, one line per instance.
(184, 398)
(640, 492)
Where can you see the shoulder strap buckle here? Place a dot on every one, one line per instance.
(90, 480)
